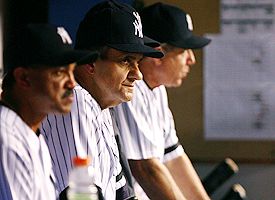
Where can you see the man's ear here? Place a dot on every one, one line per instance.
(21, 76)
(89, 68)
(159, 48)
(150, 61)
(158, 61)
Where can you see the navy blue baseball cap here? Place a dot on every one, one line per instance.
(44, 45)
(150, 42)
(115, 25)
(170, 24)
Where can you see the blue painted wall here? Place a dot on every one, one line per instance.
(69, 13)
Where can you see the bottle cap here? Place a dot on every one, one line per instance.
(78, 161)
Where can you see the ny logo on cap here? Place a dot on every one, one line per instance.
(64, 35)
(189, 22)
(138, 26)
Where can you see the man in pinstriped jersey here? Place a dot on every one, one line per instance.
(38, 79)
(114, 30)
(157, 160)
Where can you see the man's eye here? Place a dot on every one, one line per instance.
(59, 73)
(125, 62)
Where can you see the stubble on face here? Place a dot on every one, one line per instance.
(53, 88)
(117, 73)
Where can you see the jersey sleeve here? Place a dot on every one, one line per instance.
(172, 146)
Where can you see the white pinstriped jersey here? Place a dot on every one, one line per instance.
(85, 131)
(147, 127)
(25, 163)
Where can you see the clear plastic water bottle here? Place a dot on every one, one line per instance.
(81, 181)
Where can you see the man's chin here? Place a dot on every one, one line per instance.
(63, 109)
(66, 110)
(128, 97)
(178, 85)
(174, 85)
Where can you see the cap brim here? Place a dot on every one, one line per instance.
(193, 42)
(150, 42)
(71, 56)
(91, 57)
(138, 48)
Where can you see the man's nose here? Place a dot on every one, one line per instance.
(135, 72)
(191, 57)
(71, 83)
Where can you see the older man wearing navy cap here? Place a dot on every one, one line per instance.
(38, 79)
(115, 31)
(157, 159)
